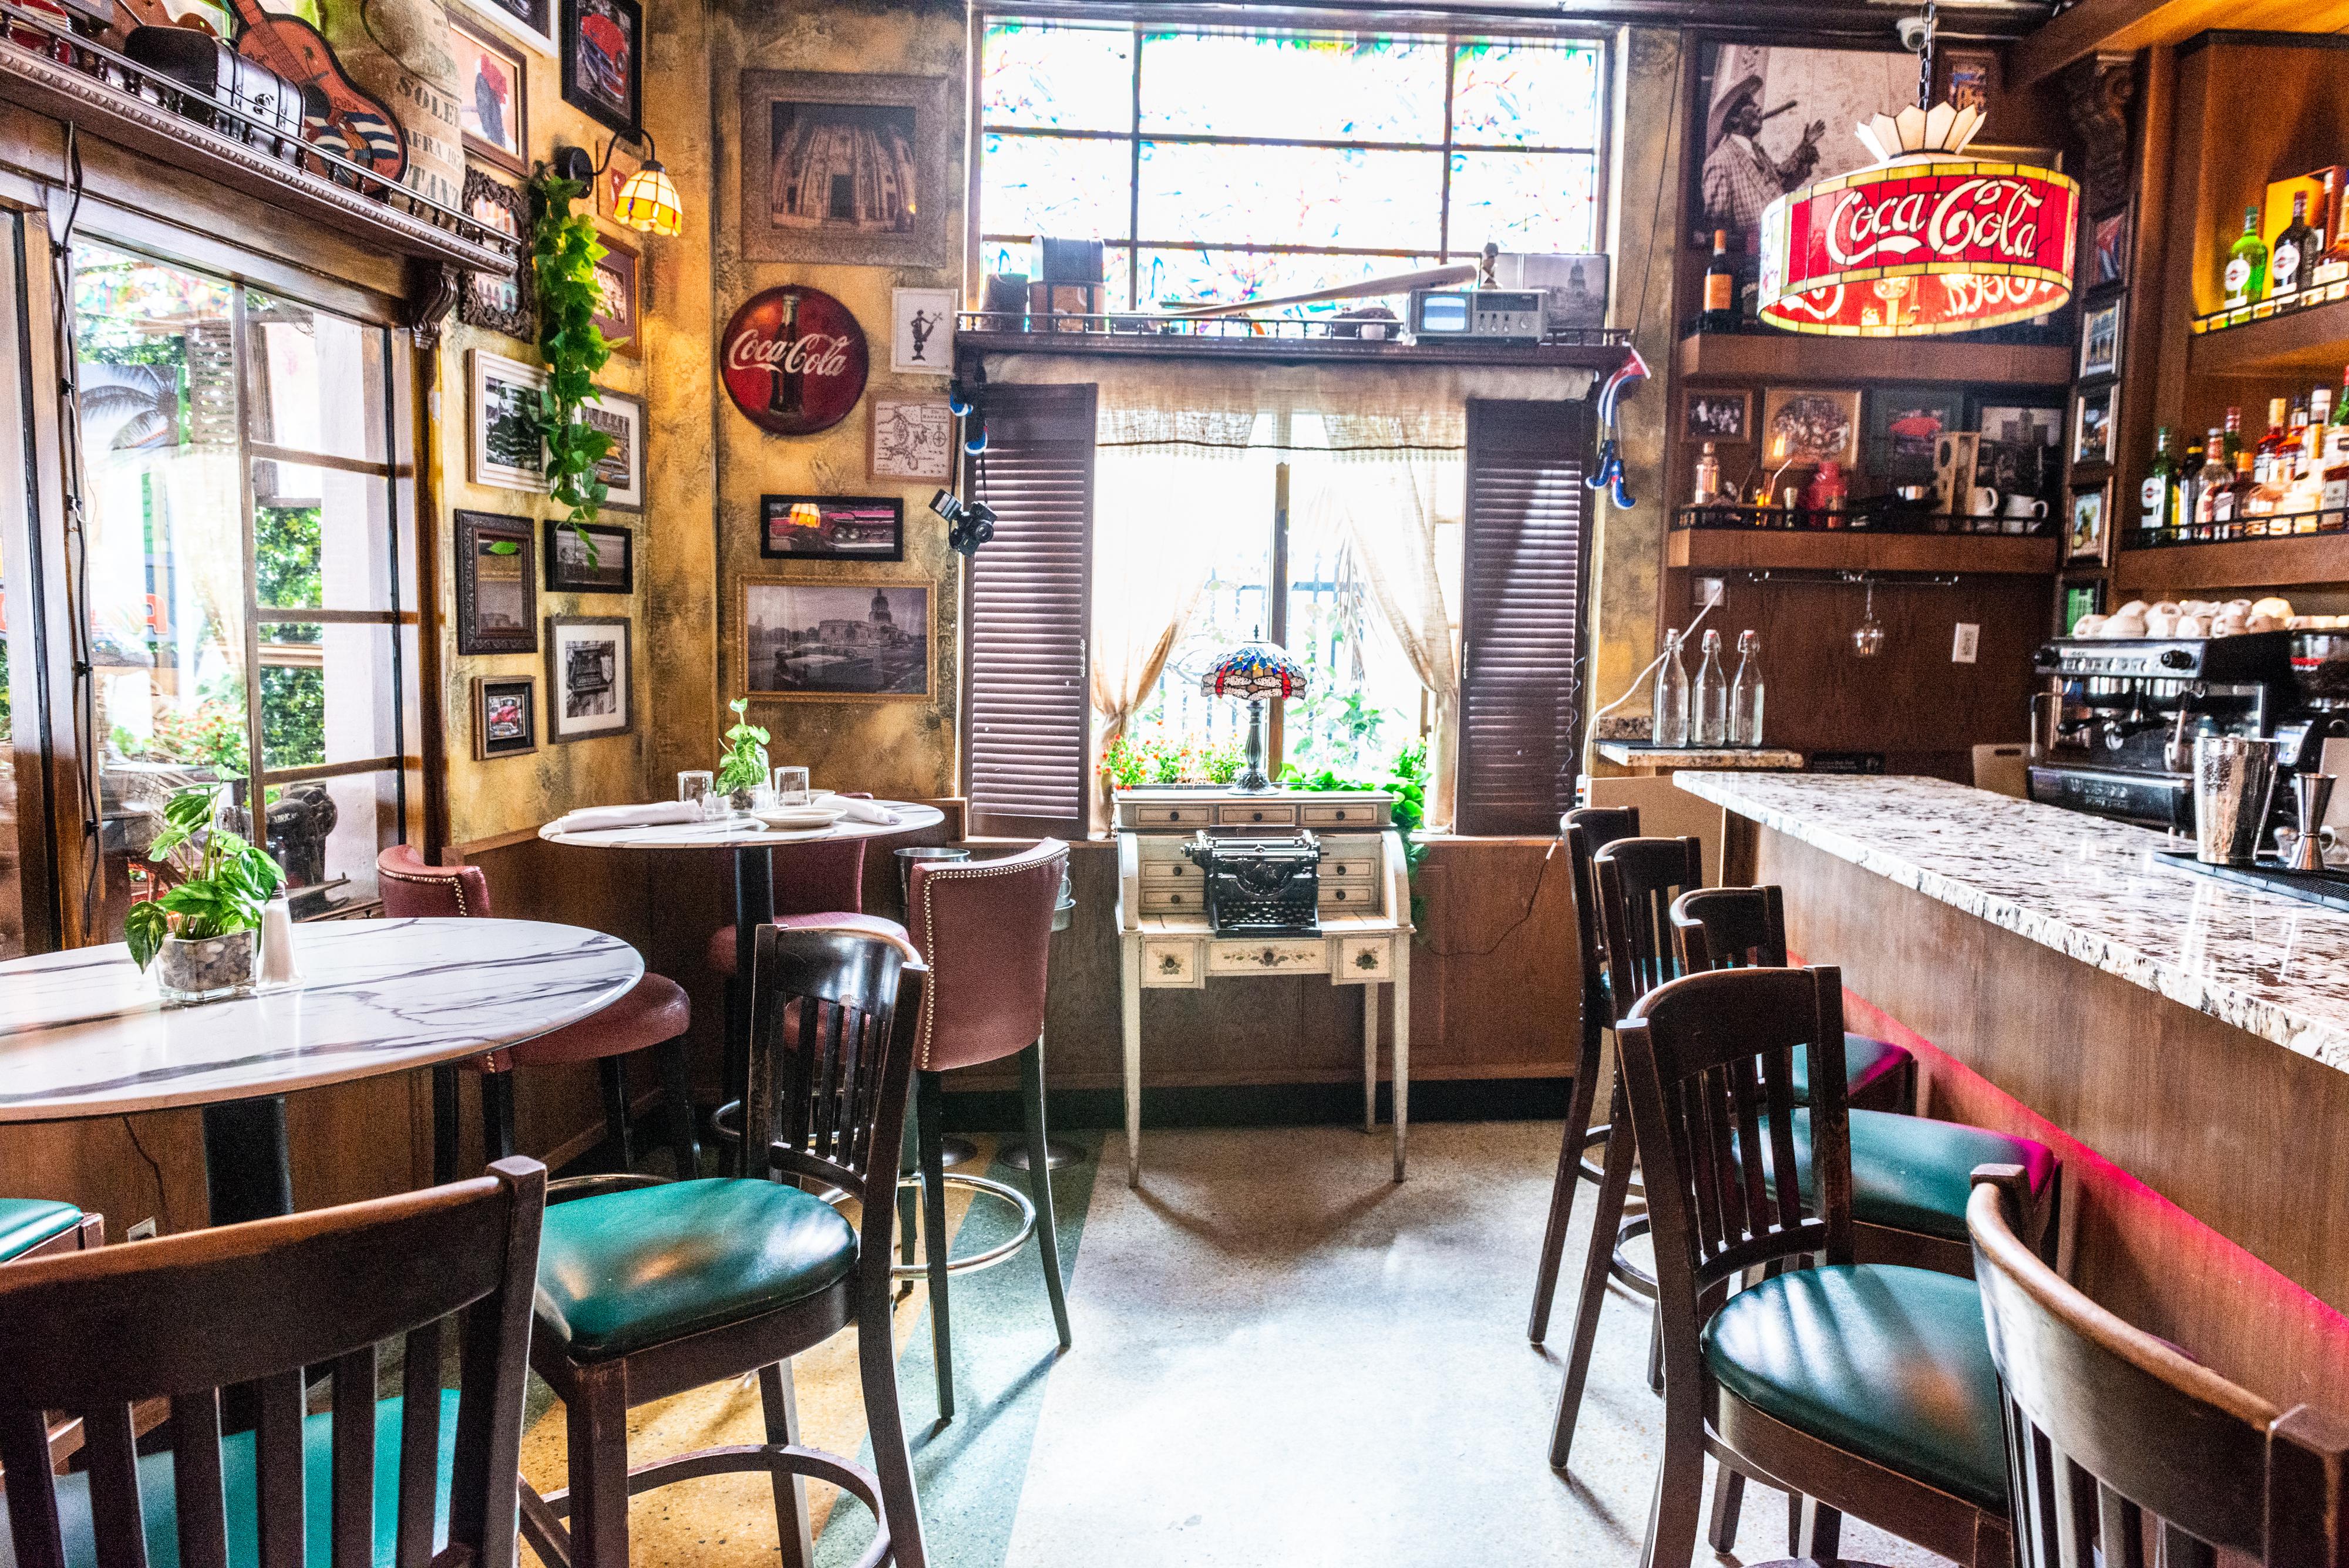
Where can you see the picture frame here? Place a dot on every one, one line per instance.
(497, 584)
(1969, 77)
(873, 653)
(589, 678)
(922, 330)
(2108, 246)
(2078, 597)
(621, 416)
(1717, 416)
(617, 272)
(602, 63)
(2088, 525)
(504, 304)
(2093, 408)
(493, 95)
(567, 571)
(1768, 119)
(504, 444)
(1810, 425)
(909, 439)
(1904, 429)
(505, 716)
(787, 217)
(832, 528)
(530, 23)
(619, 164)
(2100, 339)
(2015, 424)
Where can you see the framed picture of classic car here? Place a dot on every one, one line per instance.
(832, 528)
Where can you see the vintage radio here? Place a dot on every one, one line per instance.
(1260, 887)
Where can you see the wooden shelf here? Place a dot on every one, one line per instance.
(975, 346)
(1858, 550)
(2238, 564)
(2314, 342)
(1795, 356)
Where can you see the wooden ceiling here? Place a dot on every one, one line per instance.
(2124, 26)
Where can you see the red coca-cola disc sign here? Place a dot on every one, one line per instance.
(794, 361)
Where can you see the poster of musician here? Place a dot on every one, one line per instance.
(1777, 118)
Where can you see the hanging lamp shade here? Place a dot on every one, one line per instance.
(1928, 240)
(648, 202)
(1254, 671)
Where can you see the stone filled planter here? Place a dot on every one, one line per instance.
(206, 971)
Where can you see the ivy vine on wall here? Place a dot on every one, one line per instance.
(564, 254)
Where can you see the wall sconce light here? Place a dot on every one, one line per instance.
(647, 202)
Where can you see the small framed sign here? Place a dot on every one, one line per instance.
(497, 590)
(911, 439)
(505, 716)
(921, 330)
(568, 570)
(832, 528)
(2087, 539)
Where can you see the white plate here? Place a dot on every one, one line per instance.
(790, 817)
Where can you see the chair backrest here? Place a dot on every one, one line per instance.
(1708, 1063)
(413, 890)
(1637, 878)
(2110, 1430)
(190, 1315)
(1588, 830)
(1731, 927)
(985, 926)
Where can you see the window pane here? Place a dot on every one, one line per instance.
(1190, 275)
(1290, 195)
(1525, 95)
(320, 540)
(325, 694)
(316, 382)
(1289, 86)
(1523, 201)
(1071, 79)
(326, 834)
(1063, 186)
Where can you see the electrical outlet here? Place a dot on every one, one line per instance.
(1710, 591)
(1969, 639)
(142, 1232)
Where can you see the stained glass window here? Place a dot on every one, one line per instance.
(1226, 165)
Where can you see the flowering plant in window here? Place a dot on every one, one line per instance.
(1129, 763)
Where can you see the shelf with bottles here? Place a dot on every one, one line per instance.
(2291, 265)
(1873, 550)
(2305, 332)
(2260, 528)
(1766, 354)
(1886, 517)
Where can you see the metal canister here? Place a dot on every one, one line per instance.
(2234, 777)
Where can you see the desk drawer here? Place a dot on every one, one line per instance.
(1182, 871)
(1170, 962)
(1269, 955)
(1362, 815)
(1135, 815)
(1350, 868)
(1363, 960)
(1160, 899)
(1353, 896)
(1256, 816)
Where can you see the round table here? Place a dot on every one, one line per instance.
(83, 1032)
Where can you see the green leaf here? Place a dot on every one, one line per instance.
(144, 927)
(504, 547)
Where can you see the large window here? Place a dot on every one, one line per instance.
(1231, 165)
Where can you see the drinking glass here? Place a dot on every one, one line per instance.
(791, 786)
(696, 787)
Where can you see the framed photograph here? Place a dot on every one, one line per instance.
(832, 528)
(615, 282)
(500, 304)
(1905, 426)
(2017, 424)
(603, 62)
(2081, 596)
(619, 164)
(568, 569)
(505, 445)
(829, 641)
(1969, 77)
(587, 677)
(1717, 416)
(2088, 533)
(845, 168)
(1808, 426)
(497, 584)
(2092, 424)
(2108, 248)
(505, 716)
(922, 329)
(1770, 119)
(621, 417)
(2100, 339)
(911, 439)
(528, 21)
(493, 95)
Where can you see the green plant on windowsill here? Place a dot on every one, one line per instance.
(1406, 780)
(223, 883)
(743, 768)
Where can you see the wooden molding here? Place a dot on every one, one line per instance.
(2097, 90)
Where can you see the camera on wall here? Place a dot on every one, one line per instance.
(969, 523)
(1915, 33)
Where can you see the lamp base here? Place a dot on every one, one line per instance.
(1251, 779)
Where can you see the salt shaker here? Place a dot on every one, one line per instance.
(277, 966)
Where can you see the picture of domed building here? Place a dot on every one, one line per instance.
(840, 166)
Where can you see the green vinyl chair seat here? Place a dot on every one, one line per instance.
(1912, 1173)
(1891, 1364)
(27, 1222)
(157, 1501)
(1864, 1062)
(623, 1271)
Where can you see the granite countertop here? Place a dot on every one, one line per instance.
(2091, 889)
(1764, 759)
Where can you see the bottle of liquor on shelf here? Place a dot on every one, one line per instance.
(2214, 484)
(2332, 267)
(1709, 719)
(2336, 430)
(1745, 692)
(1669, 725)
(2187, 487)
(2232, 440)
(2320, 417)
(2238, 500)
(2157, 497)
(1720, 288)
(2278, 422)
(2295, 250)
(2246, 274)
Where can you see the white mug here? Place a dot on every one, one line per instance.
(1982, 501)
(2021, 505)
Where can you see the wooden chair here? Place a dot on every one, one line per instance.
(650, 1288)
(1867, 1387)
(189, 1316)
(2118, 1443)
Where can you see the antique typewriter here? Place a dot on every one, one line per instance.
(1260, 887)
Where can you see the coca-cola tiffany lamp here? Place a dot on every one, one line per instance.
(1255, 672)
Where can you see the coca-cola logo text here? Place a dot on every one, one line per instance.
(794, 361)
(1975, 220)
(817, 353)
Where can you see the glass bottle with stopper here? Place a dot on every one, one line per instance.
(1669, 724)
(1709, 722)
(1745, 692)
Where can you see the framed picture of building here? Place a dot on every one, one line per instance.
(2100, 339)
(821, 639)
(621, 416)
(505, 445)
(505, 716)
(2092, 425)
(587, 677)
(497, 587)
(845, 169)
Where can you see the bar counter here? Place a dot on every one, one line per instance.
(2181, 1040)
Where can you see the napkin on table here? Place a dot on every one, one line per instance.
(658, 814)
(857, 810)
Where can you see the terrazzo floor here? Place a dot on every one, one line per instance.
(1281, 1357)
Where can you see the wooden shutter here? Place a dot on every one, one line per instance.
(1522, 580)
(1027, 612)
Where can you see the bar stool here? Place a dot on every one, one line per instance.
(2110, 1430)
(985, 929)
(653, 1016)
(37, 1227)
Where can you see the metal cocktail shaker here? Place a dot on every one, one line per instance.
(2234, 776)
(2302, 849)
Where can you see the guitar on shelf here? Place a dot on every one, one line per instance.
(337, 114)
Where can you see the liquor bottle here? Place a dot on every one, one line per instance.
(1669, 724)
(2234, 506)
(1745, 692)
(2246, 276)
(2336, 432)
(2279, 413)
(2157, 497)
(1710, 724)
(2233, 438)
(2295, 251)
(2186, 490)
(2332, 267)
(2213, 481)
(1720, 288)
(2320, 417)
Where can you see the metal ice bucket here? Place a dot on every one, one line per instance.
(2234, 776)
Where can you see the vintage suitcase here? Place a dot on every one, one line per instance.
(214, 68)
(1260, 887)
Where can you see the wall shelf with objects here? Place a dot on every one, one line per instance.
(1858, 550)
(2309, 339)
(2298, 560)
(1277, 340)
(1798, 357)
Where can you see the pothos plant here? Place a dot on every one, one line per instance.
(563, 252)
(743, 768)
(224, 880)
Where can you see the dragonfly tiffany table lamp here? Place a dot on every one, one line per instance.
(1255, 672)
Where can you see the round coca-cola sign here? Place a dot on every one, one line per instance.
(794, 361)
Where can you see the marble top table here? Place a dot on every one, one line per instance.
(1644, 758)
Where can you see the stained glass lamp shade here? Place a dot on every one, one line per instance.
(648, 202)
(1255, 672)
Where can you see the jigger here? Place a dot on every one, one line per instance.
(2311, 792)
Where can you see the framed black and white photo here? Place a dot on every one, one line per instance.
(1904, 429)
(587, 677)
(832, 528)
(505, 447)
(603, 62)
(530, 21)
(1770, 120)
(845, 168)
(2020, 424)
(2092, 425)
(2100, 339)
(501, 304)
(505, 716)
(568, 569)
(1717, 416)
(620, 416)
(910, 439)
(833, 641)
(921, 330)
(497, 587)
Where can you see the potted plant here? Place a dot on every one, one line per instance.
(203, 928)
(743, 768)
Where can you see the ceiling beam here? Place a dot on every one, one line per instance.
(2124, 26)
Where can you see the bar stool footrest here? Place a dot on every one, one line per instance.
(1633, 1278)
(1001, 1251)
(541, 1513)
